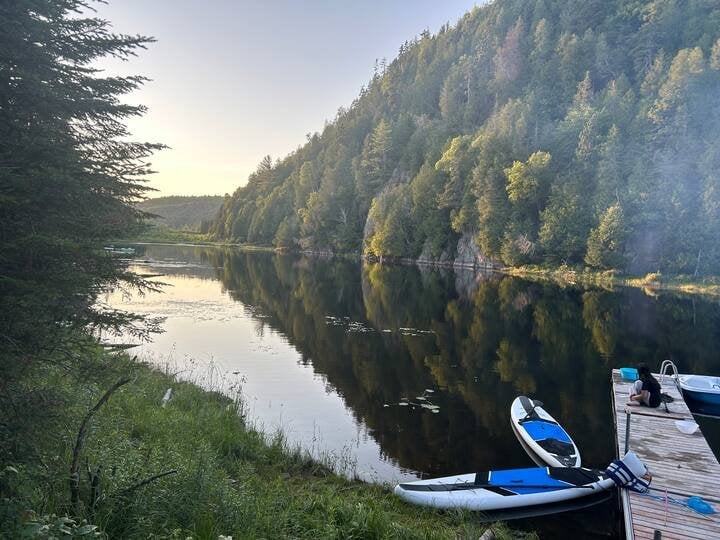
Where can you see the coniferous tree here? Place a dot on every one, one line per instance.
(69, 178)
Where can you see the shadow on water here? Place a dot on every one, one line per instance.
(378, 334)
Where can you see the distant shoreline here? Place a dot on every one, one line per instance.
(562, 275)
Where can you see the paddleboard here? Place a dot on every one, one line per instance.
(497, 490)
(542, 434)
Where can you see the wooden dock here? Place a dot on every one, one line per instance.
(680, 463)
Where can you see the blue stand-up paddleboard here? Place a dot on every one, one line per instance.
(542, 436)
(497, 490)
(523, 488)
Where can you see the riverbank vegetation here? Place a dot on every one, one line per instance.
(162, 235)
(180, 464)
(652, 282)
(539, 132)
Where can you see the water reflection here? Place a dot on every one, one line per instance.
(372, 335)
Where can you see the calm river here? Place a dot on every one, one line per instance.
(330, 351)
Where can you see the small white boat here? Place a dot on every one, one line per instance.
(701, 389)
(704, 388)
(542, 435)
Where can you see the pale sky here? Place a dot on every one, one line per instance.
(235, 80)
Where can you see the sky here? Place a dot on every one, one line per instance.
(235, 80)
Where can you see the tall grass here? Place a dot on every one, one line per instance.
(231, 479)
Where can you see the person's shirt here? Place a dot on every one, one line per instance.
(653, 388)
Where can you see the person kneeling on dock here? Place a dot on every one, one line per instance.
(646, 390)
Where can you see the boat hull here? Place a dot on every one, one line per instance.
(703, 397)
(702, 391)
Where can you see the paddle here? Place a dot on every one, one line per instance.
(536, 403)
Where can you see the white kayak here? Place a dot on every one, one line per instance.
(542, 434)
(498, 490)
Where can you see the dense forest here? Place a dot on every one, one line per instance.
(183, 213)
(533, 131)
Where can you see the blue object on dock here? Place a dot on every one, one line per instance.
(629, 373)
(699, 505)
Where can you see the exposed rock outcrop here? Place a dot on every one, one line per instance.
(469, 254)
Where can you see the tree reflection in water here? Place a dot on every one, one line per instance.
(478, 340)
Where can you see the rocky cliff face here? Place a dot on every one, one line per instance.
(469, 255)
(427, 257)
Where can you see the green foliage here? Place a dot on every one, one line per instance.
(607, 241)
(564, 226)
(71, 180)
(165, 235)
(525, 180)
(390, 218)
(286, 233)
(70, 176)
(53, 526)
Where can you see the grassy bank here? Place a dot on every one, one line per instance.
(224, 477)
(169, 236)
(163, 235)
(651, 283)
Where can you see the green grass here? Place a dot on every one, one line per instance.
(170, 236)
(230, 480)
(164, 235)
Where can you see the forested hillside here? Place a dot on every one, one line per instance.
(534, 131)
(183, 213)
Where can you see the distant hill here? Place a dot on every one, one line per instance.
(183, 213)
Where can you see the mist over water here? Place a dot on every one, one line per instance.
(331, 352)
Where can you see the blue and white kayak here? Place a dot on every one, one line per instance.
(542, 434)
(497, 490)
(701, 388)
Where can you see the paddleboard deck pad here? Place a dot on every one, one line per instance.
(497, 490)
(543, 434)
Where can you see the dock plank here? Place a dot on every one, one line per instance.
(678, 462)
